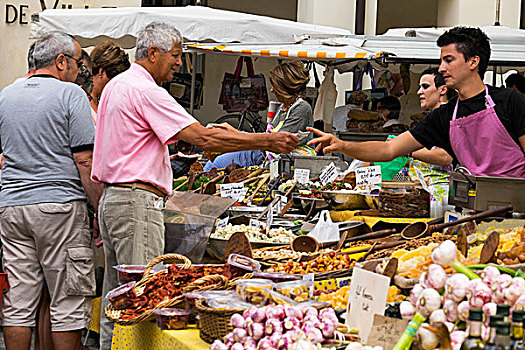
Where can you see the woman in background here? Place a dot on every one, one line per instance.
(108, 60)
(288, 80)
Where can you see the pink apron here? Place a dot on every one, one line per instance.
(483, 145)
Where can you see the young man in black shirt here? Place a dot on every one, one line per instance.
(484, 130)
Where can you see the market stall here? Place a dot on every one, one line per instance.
(311, 251)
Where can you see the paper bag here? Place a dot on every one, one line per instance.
(325, 230)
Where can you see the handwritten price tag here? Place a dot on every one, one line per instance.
(329, 174)
(301, 175)
(370, 175)
(368, 293)
(269, 217)
(274, 169)
(223, 222)
(234, 190)
(386, 331)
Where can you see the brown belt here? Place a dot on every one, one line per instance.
(141, 186)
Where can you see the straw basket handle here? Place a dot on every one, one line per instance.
(203, 283)
(163, 258)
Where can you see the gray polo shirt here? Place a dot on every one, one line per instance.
(43, 121)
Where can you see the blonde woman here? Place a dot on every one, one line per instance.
(109, 60)
(288, 81)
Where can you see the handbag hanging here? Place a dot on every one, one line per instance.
(240, 93)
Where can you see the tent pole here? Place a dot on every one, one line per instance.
(193, 81)
(494, 72)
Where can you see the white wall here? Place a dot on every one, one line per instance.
(15, 42)
(333, 13)
(478, 13)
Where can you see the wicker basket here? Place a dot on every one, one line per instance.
(204, 283)
(214, 323)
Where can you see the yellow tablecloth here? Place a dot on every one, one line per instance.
(146, 336)
(370, 221)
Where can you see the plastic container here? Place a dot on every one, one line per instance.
(171, 318)
(128, 273)
(240, 265)
(254, 291)
(121, 296)
(295, 290)
(277, 277)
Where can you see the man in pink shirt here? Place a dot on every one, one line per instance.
(137, 119)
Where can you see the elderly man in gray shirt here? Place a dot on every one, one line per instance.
(47, 135)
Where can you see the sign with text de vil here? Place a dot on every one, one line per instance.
(370, 175)
(368, 293)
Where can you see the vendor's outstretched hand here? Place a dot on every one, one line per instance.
(325, 142)
(282, 142)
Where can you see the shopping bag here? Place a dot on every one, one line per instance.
(240, 93)
(325, 230)
(180, 86)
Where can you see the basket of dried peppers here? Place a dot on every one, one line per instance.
(161, 290)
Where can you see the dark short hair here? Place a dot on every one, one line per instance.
(438, 77)
(30, 58)
(470, 42)
(516, 80)
(390, 102)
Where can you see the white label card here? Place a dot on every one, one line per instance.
(329, 174)
(234, 190)
(301, 175)
(223, 222)
(370, 175)
(368, 293)
(269, 217)
(309, 278)
(274, 169)
(257, 223)
(280, 204)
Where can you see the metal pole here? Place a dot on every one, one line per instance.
(193, 81)
(494, 72)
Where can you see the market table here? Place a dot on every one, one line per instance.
(146, 335)
(370, 221)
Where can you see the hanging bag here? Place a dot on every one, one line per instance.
(240, 93)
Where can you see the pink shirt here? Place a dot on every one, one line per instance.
(136, 121)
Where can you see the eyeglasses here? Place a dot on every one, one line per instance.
(77, 60)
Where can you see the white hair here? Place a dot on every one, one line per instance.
(50, 45)
(162, 35)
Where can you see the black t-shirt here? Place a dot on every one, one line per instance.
(433, 130)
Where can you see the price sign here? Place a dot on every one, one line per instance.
(269, 217)
(274, 169)
(301, 175)
(328, 174)
(256, 223)
(368, 293)
(223, 222)
(386, 331)
(279, 204)
(370, 175)
(234, 190)
(309, 278)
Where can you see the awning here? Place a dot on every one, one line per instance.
(196, 23)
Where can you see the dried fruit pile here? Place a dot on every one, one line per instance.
(323, 263)
(164, 285)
